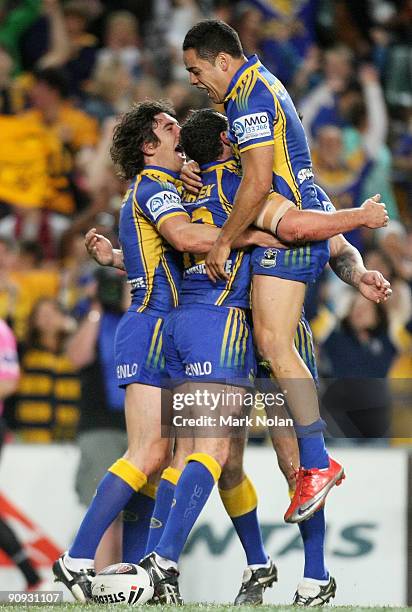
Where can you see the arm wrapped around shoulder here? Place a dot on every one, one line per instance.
(272, 211)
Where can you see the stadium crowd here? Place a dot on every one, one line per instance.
(68, 69)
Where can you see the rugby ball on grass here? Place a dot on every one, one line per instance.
(123, 583)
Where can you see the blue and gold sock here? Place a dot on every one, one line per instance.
(136, 522)
(164, 498)
(114, 491)
(192, 492)
(313, 535)
(241, 505)
(312, 450)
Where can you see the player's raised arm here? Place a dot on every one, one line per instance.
(293, 225)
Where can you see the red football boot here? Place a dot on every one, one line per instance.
(312, 487)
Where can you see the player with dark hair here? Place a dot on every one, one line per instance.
(267, 134)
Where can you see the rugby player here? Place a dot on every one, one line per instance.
(224, 346)
(267, 134)
(204, 140)
(152, 221)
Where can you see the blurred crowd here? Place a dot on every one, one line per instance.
(69, 68)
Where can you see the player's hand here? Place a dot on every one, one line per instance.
(190, 177)
(374, 212)
(99, 247)
(374, 286)
(216, 260)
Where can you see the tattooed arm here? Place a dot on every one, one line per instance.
(347, 263)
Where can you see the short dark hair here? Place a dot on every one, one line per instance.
(55, 78)
(200, 135)
(132, 132)
(210, 37)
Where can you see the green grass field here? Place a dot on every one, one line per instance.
(188, 608)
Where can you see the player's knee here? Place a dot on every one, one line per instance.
(150, 458)
(273, 344)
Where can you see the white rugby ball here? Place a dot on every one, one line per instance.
(123, 583)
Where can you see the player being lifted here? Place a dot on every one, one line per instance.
(267, 134)
(225, 345)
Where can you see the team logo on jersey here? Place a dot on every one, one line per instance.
(250, 127)
(304, 175)
(269, 258)
(162, 202)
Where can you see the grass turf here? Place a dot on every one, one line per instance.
(62, 607)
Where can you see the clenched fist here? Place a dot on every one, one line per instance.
(374, 212)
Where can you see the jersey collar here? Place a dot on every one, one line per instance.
(162, 173)
(215, 165)
(252, 63)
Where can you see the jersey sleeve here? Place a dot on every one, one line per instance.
(159, 202)
(324, 200)
(252, 117)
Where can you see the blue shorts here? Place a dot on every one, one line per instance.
(209, 343)
(138, 350)
(305, 348)
(304, 264)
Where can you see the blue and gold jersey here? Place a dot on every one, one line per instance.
(153, 267)
(260, 113)
(213, 205)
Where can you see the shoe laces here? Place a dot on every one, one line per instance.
(304, 479)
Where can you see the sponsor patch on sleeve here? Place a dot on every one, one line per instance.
(251, 127)
(162, 202)
(304, 174)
